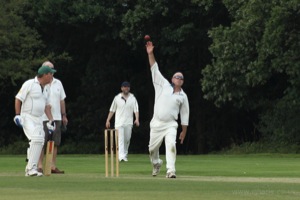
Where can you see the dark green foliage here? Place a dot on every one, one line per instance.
(19, 53)
(256, 65)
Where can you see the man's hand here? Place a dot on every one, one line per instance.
(107, 124)
(18, 121)
(137, 123)
(182, 136)
(51, 126)
(149, 47)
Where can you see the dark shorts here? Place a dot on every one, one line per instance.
(56, 135)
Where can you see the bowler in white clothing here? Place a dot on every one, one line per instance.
(125, 106)
(170, 101)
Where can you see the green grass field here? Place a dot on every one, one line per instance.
(209, 177)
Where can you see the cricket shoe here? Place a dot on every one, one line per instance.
(57, 171)
(123, 160)
(171, 175)
(156, 168)
(33, 172)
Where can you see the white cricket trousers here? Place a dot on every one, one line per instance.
(124, 140)
(156, 138)
(33, 129)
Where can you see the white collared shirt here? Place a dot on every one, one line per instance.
(34, 99)
(57, 94)
(124, 109)
(167, 104)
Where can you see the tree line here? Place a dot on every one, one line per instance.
(240, 60)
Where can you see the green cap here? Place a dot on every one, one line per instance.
(45, 70)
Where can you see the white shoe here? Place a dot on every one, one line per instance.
(33, 172)
(156, 168)
(123, 159)
(39, 174)
(171, 175)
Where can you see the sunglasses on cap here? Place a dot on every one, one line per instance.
(178, 77)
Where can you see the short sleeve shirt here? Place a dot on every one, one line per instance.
(34, 98)
(56, 95)
(124, 109)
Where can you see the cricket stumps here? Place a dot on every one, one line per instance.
(111, 135)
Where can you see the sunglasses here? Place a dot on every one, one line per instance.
(178, 77)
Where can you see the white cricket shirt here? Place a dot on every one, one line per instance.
(34, 99)
(167, 104)
(124, 109)
(56, 94)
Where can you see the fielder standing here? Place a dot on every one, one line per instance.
(31, 102)
(170, 100)
(58, 109)
(124, 105)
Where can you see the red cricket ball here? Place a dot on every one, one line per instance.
(147, 37)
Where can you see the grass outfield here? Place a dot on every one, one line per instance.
(209, 177)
